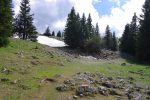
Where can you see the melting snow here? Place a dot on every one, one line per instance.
(50, 41)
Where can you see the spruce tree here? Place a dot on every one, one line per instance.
(72, 31)
(89, 27)
(84, 30)
(53, 33)
(114, 42)
(47, 32)
(132, 36)
(124, 40)
(26, 21)
(143, 43)
(97, 33)
(108, 38)
(59, 34)
(5, 21)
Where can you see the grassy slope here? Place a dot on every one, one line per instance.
(39, 62)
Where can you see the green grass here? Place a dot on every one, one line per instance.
(39, 62)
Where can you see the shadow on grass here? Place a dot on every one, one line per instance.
(134, 60)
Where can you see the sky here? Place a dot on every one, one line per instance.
(53, 13)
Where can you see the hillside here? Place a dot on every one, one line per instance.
(31, 71)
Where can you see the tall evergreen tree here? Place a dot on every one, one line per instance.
(53, 33)
(97, 32)
(114, 42)
(128, 43)
(132, 36)
(47, 32)
(59, 34)
(25, 21)
(84, 30)
(108, 38)
(5, 21)
(72, 31)
(143, 43)
(89, 26)
(124, 40)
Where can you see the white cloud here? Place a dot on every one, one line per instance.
(54, 13)
(119, 17)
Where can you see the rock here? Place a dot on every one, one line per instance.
(62, 88)
(85, 90)
(67, 81)
(129, 92)
(148, 92)
(113, 92)
(139, 97)
(5, 70)
(130, 78)
(34, 62)
(110, 78)
(102, 90)
(75, 97)
(107, 84)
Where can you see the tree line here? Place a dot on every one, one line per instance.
(135, 39)
(48, 33)
(80, 33)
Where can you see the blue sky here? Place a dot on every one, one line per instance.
(53, 13)
(104, 7)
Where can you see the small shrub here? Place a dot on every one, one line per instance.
(4, 42)
(93, 45)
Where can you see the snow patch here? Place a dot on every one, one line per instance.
(50, 41)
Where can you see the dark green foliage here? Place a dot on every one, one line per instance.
(97, 33)
(59, 34)
(128, 41)
(47, 32)
(53, 33)
(80, 33)
(89, 27)
(83, 30)
(93, 45)
(72, 30)
(108, 38)
(114, 42)
(143, 43)
(5, 21)
(124, 39)
(23, 24)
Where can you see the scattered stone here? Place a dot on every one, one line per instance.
(102, 90)
(148, 92)
(85, 90)
(62, 88)
(114, 92)
(139, 97)
(75, 97)
(34, 62)
(130, 78)
(110, 78)
(107, 84)
(14, 82)
(6, 71)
